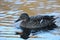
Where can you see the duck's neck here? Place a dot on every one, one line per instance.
(27, 20)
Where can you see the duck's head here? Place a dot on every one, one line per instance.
(23, 17)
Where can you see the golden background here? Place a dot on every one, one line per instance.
(32, 7)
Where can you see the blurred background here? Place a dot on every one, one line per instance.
(10, 10)
(32, 7)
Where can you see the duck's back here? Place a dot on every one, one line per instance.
(34, 22)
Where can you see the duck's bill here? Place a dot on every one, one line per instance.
(17, 20)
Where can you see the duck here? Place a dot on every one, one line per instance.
(36, 23)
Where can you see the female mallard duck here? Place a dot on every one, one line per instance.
(35, 23)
